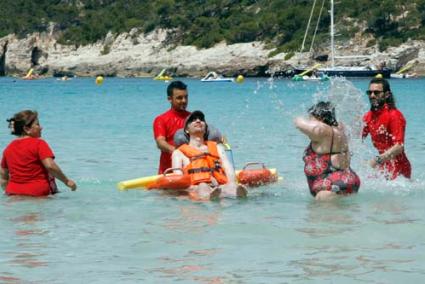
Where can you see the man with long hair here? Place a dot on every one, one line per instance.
(386, 126)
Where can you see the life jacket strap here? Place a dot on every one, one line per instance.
(201, 156)
(199, 170)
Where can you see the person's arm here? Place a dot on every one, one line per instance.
(160, 134)
(365, 129)
(397, 128)
(387, 155)
(163, 145)
(177, 161)
(55, 171)
(312, 128)
(227, 166)
(365, 132)
(4, 177)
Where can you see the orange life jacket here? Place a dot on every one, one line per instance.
(204, 166)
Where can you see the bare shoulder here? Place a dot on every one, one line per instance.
(322, 129)
(340, 128)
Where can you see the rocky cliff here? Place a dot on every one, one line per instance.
(134, 54)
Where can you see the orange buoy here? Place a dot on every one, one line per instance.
(256, 176)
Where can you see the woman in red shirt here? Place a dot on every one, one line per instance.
(27, 165)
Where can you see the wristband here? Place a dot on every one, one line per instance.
(379, 160)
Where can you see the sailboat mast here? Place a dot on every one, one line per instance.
(332, 35)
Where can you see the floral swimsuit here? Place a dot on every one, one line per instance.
(321, 175)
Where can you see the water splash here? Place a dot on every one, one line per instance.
(350, 107)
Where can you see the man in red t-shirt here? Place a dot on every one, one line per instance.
(386, 126)
(165, 125)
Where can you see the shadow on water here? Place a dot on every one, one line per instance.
(190, 261)
(26, 250)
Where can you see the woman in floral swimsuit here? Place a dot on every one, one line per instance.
(327, 158)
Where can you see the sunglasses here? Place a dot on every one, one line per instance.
(196, 118)
(369, 92)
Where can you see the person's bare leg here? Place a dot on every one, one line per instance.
(205, 191)
(241, 191)
(233, 190)
(325, 195)
(215, 193)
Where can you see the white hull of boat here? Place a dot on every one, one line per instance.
(315, 79)
(218, 80)
(402, 76)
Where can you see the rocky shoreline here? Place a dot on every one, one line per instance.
(144, 55)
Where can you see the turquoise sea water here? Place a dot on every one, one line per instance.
(279, 234)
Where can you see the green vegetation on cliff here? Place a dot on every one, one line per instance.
(280, 23)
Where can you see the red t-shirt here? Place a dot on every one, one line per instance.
(27, 175)
(166, 125)
(386, 127)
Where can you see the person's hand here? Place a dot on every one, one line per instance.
(373, 163)
(325, 195)
(71, 184)
(3, 183)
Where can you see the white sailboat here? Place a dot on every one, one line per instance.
(346, 71)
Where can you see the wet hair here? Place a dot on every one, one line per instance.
(386, 88)
(20, 120)
(179, 85)
(325, 112)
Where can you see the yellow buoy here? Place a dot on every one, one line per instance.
(99, 80)
(379, 76)
(240, 79)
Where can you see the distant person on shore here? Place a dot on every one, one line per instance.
(212, 174)
(386, 126)
(166, 124)
(327, 158)
(27, 165)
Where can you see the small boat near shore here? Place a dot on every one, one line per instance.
(354, 71)
(311, 74)
(162, 76)
(214, 77)
(31, 75)
(312, 78)
(403, 75)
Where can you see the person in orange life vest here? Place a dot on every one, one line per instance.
(386, 126)
(27, 165)
(165, 125)
(206, 162)
(327, 158)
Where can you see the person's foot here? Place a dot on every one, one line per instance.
(241, 191)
